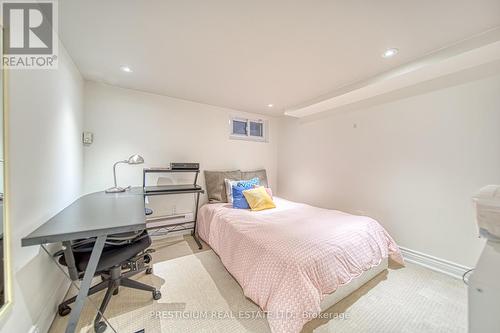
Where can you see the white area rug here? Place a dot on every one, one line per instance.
(199, 295)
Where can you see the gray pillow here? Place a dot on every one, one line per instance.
(216, 189)
(261, 174)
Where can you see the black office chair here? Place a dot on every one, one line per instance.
(123, 256)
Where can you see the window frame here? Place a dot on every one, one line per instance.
(248, 137)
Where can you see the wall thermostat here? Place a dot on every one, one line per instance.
(88, 138)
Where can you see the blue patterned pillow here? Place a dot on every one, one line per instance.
(239, 200)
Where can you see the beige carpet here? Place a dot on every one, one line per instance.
(199, 295)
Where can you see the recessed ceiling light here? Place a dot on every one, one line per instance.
(270, 105)
(126, 69)
(390, 53)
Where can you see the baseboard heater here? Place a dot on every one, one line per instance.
(169, 220)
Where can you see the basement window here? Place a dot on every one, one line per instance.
(248, 129)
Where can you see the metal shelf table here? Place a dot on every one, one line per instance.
(172, 190)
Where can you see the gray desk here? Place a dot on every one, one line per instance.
(93, 215)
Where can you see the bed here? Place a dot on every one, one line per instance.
(296, 260)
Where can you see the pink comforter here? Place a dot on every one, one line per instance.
(289, 258)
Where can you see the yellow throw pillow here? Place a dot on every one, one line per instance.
(258, 199)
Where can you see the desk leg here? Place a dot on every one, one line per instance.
(70, 261)
(85, 285)
(194, 233)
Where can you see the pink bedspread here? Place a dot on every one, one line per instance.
(289, 258)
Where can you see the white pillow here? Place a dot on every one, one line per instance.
(229, 188)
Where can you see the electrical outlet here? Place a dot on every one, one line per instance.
(87, 138)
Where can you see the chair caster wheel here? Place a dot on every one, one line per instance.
(149, 270)
(156, 295)
(63, 310)
(115, 292)
(100, 327)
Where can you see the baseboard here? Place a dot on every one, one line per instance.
(49, 312)
(436, 264)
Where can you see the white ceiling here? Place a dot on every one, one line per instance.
(247, 54)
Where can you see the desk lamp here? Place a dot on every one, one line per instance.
(134, 159)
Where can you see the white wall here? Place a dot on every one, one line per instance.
(164, 130)
(413, 164)
(46, 165)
